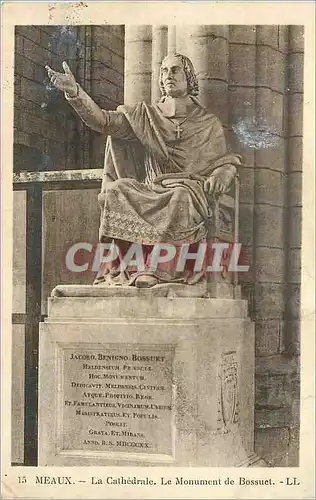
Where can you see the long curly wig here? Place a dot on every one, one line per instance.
(193, 85)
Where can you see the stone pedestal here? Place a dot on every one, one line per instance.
(145, 379)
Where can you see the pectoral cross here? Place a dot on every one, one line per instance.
(179, 130)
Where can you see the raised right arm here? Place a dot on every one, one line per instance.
(106, 122)
(111, 123)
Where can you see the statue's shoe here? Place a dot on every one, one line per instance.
(146, 281)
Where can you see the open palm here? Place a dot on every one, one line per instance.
(65, 82)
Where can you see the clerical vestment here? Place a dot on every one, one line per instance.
(152, 189)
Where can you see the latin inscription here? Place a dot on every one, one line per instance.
(118, 399)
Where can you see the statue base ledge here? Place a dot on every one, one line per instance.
(254, 461)
(171, 290)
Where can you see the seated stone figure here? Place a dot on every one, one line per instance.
(163, 164)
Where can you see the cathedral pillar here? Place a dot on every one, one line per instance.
(138, 64)
(207, 47)
(270, 172)
(159, 51)
(294, 185)
(172, 30)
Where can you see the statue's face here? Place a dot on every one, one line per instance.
(173, 77)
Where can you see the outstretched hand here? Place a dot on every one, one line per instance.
(220, 180)
(65, 82)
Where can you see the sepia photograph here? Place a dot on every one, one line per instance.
(156, 251)
(134, 134)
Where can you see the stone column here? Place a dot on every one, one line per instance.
(294, 199)
(270, 166)
(138, 51)
(291, 336)
(159, 51)
(275, 372)
(181, 40)
(241, 114)
(207, 47)
(172, 30)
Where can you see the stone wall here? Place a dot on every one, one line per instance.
(44, 135)
(48, 135)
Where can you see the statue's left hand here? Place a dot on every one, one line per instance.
(220, 180)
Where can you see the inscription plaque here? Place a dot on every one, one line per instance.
(117, 398)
